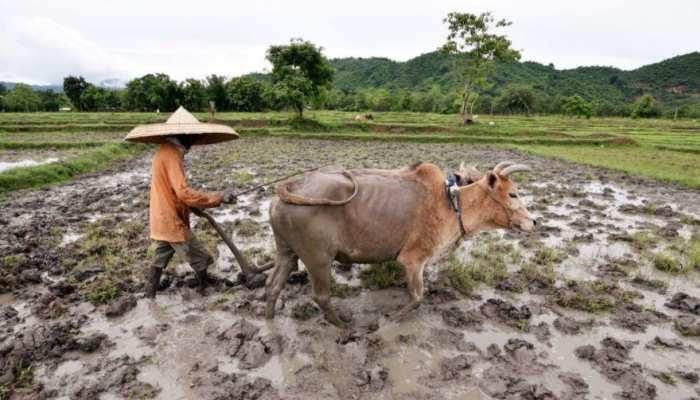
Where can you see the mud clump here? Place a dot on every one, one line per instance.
(456, 318)
(48, 306)
(614, 362)
(636, 318)
(571, 326)
(505, 379)
(654, 285)
(120, 306)
(593, 297)
(251, 349)
(221, 386)
(665, 343)
(684, 302)
(506, 313)
(455, 367)
(372, 380)
(39, 343)
(114, 375)
(687, 326)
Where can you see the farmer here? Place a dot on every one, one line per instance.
(171, 198)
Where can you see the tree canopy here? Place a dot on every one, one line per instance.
(472, 40)
(299, 71)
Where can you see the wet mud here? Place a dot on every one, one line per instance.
(579, 309)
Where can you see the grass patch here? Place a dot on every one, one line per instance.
(460, 277)
(384, 275)
(41, 175)
(643, 239)
(592, 297)
(103, 293)
(48, 145)
(664, 165)
(13, 261)
(547, 256)
(667, 262)
(488, 264)
(242, 177)
(680, 257)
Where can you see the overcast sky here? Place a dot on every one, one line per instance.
(42, 41)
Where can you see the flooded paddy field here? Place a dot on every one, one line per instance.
(602, 301)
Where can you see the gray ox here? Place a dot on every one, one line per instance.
(405, 215)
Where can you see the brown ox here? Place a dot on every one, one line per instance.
(404, 215)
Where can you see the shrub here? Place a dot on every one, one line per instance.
(645, 107)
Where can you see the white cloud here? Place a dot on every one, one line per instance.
(43, 41)
(39, 50)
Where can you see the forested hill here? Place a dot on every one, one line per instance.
(675, 81)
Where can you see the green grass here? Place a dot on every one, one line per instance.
(665, 165)
(681, 256)
(103, 293)
(488, 264)
(48, 145)
(88, 161)
(667, 262)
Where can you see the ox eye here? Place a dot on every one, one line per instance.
(513, 195)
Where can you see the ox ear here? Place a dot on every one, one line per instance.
(492, 180)
(468, 174)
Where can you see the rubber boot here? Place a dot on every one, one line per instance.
(202, 281)
(153, 282)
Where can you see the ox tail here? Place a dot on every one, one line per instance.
(292, 198)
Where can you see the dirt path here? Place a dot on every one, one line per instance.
(581, 312)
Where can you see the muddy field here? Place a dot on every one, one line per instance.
(601, 302)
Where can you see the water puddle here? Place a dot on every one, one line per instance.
(8, 165)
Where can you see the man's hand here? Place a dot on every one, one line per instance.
(229, 197)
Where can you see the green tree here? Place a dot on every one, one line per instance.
(645, 107)
(113, 100)
(299, 70)
(153, 92)
(576, 106)
(476, 48)
(216, 92)
(518, 99)
(93, 98)
(22, 99)
(73, 87)
(194, 95)
(291, 92)
(246, 94)
(50, 100)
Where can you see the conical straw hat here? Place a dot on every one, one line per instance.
(182, 123)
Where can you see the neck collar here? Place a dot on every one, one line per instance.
(452, 193)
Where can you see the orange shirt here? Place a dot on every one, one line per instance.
(171, 199)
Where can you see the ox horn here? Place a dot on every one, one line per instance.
(514, 168)
(497, 169)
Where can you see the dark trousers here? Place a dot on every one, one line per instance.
(190, 250)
